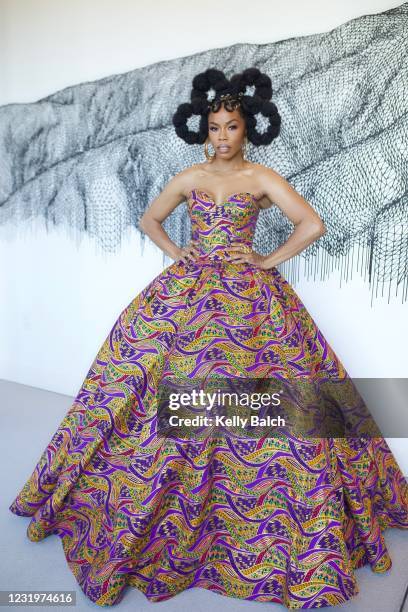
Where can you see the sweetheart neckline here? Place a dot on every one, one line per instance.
(227, 199)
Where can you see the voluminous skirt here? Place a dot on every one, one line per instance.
(283, 519)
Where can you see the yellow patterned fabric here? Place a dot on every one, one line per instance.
(283, 519)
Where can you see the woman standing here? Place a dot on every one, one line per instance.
(282, 518)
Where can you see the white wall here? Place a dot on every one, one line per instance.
(62, 299)
(47, 45)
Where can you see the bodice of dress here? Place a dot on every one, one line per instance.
(216, 226)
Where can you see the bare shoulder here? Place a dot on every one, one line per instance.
(270, 179)
(262, 172)
(181, 182)
(193, 176)
(193, 171)
(263, 176)
(254, 166)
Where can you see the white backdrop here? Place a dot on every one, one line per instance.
(60, 300)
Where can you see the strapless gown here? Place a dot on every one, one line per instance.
(282, 519)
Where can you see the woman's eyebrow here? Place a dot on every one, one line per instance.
(215, 123)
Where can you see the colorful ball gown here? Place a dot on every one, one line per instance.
(281, 519)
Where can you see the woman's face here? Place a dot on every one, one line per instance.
(226, 131)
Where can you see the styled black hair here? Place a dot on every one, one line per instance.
(230, 93)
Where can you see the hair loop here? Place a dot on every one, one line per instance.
(231, 93)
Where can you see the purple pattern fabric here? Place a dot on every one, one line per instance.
(281, 519)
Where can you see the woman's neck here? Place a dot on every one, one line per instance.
(225, 166)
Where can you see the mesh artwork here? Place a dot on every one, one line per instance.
(93, 156)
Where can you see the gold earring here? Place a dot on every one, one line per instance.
(207, 154)
(244, 147)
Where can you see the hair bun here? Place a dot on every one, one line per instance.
(253, 76)
(207, 80)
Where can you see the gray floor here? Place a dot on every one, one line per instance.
(29, 417)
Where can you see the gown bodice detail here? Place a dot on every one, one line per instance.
(216, 226)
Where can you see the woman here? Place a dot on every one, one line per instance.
(283, 518)
(229, 172)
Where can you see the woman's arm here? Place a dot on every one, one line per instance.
(308, 225)
(160, 208)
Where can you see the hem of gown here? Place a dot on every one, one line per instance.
(114, 597)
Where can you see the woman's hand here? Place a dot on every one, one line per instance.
(239, 254)
(189, 252)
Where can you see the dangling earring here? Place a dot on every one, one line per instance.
(244, 147)
(209, 157)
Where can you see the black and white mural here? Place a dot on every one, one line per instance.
(92, 156)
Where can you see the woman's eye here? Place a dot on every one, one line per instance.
(213, 128)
